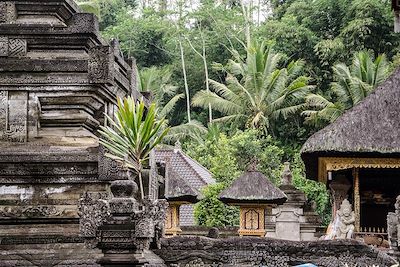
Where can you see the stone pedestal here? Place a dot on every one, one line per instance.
(121, 227)
(291, 221)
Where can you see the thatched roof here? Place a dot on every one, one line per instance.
(370, 127)
(177, 189)
(252, 187)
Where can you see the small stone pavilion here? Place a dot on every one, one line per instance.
(255, 194)
(358, 157)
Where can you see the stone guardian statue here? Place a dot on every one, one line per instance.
(393, 223)
(345, 221)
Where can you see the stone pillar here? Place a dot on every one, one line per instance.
(123, 229)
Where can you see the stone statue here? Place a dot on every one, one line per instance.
(393, 223)
(287, 174)
(345, 221)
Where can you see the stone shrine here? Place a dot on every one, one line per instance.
(295, 219)
(255, 194)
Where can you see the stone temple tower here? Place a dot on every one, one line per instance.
(58, 78)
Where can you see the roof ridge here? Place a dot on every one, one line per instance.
(187, 158)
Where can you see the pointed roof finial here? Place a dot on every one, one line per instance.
(287, 174)
(252, 167)
(178, 145)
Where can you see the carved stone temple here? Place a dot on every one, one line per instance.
(57, 79)
(63, 203)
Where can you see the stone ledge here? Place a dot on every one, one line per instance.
(252, 251)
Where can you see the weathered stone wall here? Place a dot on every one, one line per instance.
(252, 251)
(57, 79)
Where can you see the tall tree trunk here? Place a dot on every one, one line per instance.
(247, 22)
(210, 117)
(185, 80)
(205, 64)
(162, 5)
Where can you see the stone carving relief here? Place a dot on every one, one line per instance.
(12, 47)
(3, 111)
(100, 64)
(3, 46)
(30, 212)
(7, 11)
(109, 169)
(117, 225)
(15, 105)
(17, 47)
(93, 211)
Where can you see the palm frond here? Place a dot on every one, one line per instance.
(170, 105)
(204, 98)
(182, 131)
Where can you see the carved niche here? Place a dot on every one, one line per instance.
(13, 116)
(100, 64)
(7, 11)
(252, 221)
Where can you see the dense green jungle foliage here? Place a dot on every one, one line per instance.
(241, 79)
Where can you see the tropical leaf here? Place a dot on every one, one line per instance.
(256, 89)
(132, 134)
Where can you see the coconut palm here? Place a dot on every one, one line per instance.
(257, 92)
(132, 135)
(350, 86)
(158, 82)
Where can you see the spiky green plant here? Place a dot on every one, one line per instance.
(257, 92)
(132, 134)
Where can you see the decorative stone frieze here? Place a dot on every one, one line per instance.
(191, 251)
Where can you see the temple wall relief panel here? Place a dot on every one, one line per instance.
(13, 116)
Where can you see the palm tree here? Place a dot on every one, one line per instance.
(257, 92)
(158, 82)
(132, 135)
(350, 86)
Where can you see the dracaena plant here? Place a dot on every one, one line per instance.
(132, 134)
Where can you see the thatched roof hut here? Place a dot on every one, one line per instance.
(252, 187)
(369, 129)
